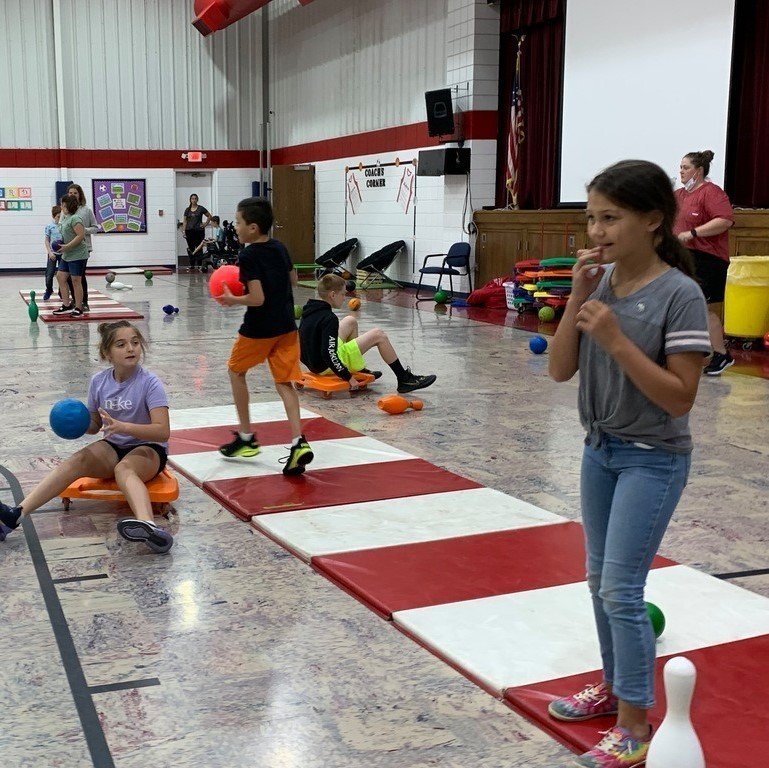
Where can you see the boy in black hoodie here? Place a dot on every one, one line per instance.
(329, 346)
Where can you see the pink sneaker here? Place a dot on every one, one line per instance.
(593, 701)
(617, 749)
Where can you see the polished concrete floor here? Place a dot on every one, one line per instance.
(229, 651)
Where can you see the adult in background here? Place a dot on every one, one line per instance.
(91, 226)
(196, 219)
(702, 224)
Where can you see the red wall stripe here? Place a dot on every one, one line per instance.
(124, 158)
(478, 125)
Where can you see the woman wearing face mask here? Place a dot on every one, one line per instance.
(704, 217)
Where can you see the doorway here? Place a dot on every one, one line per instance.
(188, 183)
(293, 202)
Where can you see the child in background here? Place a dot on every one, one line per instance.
(636, 328)
(216, 240)
(52, 234)
(74, 255)
(268, 332)
(129, 404)
(91, 227)
(331, 346)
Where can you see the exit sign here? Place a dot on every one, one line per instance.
(194, 157)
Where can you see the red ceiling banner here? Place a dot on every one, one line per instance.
(214, 15)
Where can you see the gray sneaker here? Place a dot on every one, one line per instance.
(157, 539)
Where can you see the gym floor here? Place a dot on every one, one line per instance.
(229, 651)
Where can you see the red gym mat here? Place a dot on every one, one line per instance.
(399, 578)
(203, 439)
(727, 710)
(246, 497)
(102, 308)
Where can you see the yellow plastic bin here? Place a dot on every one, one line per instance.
(746, 302)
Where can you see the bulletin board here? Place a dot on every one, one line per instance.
(15, 198)
(120, 205)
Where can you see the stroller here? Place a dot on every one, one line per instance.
(222, 251)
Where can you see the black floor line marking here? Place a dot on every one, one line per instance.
(125, 686)
(741, 574)
(71, 579)
(86, 709)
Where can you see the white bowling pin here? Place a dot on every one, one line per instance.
(675, 745)
(120, 286)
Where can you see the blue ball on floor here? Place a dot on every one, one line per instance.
(170, 309)
(69, 419)
(537, 345)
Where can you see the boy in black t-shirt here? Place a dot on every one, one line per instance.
(268, 331)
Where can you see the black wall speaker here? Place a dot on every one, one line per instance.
(447, 161)
(440, 113)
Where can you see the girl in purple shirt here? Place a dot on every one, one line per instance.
(129, 405)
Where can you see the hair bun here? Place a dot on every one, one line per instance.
(707, 155)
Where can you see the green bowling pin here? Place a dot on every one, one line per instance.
(33, 309)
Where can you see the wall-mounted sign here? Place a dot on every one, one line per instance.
(120, 205)
(15, 198)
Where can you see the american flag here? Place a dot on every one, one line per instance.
(515, 134)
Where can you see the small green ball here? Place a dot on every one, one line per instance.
(441, 297)
(546, 314)
(297, 311)
(657, 618)
(149, 274)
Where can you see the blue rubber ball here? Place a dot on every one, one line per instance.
(69, 419)
(56, 245)
(537, 345)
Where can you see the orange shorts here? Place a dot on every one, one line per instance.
(281, 352)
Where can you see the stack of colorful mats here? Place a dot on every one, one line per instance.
(537, 284)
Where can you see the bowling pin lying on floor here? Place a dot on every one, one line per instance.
(120, 286)
(675, 745)
(396, 404)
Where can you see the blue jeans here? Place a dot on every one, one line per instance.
(50, 271)
(629, 494)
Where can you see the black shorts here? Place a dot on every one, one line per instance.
(123, 450)
(711, 275)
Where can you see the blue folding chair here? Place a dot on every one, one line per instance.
(455, 263)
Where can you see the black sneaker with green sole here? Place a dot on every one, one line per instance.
(240, 447)
(299, 456)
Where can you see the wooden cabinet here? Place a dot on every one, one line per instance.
(750, 234)
(507, 237)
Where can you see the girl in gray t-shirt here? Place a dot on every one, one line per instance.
(129, 405)
(636, 329)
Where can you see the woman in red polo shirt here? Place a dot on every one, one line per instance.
(704, 217)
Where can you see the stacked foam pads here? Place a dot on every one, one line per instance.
(537, 284)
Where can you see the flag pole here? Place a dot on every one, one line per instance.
(516, 133)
